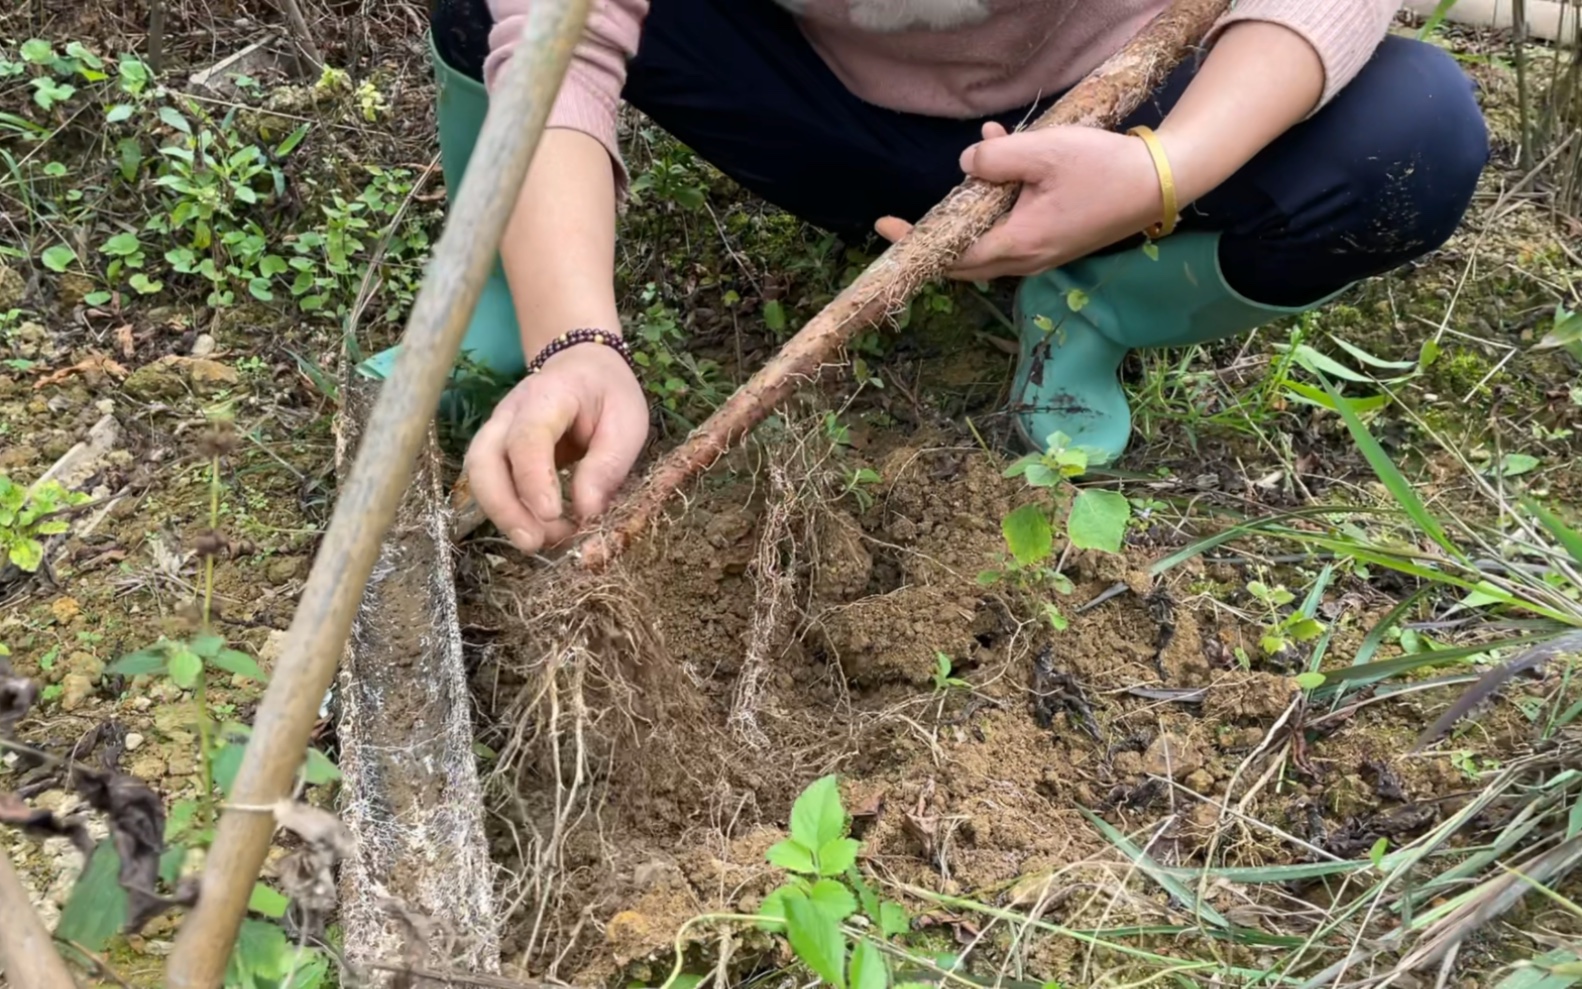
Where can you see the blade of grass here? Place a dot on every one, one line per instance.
(1569, 715)
(1385, 669)
(1403, 563)
(1540, 973)
(1255, 875)
(1315, 594)
(1531, 815)
(1566, 536)
(1171, 884)
(1252, 527)
(1241, 935)
(1257, 976)
(1315, 597)
(1375, 637)
(1493, 680)
(1435, 19)
(1394, 481)
(1313, 396)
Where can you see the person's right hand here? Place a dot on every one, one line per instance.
(583, 407)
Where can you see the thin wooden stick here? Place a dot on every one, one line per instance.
(302, 35)
(378, 479)
(1103, 99)
(29, 956)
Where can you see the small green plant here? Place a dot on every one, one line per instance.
(26, 518)
(1056, 618)
(858, 479)
(215, 175)
(1096, 518)
(1280, 631)
(825, 890)
(264, 956)
(54, 75)
(674, 176)
(1093, 518)
(1565, 334)
(1473, 766)
(685, 385)
(943, 669)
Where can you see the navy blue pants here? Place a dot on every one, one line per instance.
(1380, 176)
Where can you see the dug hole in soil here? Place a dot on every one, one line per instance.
(652, 728)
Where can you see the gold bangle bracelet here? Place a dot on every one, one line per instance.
(1167, 183)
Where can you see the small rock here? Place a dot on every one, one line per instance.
(72, 288)
(12, 288)
(31, 340)
(157, 928)
(212, 375)
(54, 801)
(75, 691)
(168, 378)
(155, 382)
(1173, 757)
(18, 455)
(167, 693)
(203, 346)
(282, 569)
(173, 719)
(86, 664)
(105, 406)
(147, 767)
(274, 645)
(134, 741)
(57, 443)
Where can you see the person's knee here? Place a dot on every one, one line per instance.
(1427, 114)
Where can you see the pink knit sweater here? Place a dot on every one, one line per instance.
(947, 58)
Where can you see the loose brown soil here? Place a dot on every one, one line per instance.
(970, 793)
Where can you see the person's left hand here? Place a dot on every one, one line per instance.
(1083, 188)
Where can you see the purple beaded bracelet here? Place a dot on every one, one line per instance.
(573, 337)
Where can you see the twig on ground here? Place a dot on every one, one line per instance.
(102, 967)
(454, 978)
(301, 34)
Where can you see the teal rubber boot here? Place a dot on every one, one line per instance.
(492, 340)
(1077, 323)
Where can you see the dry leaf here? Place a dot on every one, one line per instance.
(315, 826)
(137, 826)
(96, 363)
(41, 822)
(307, 875)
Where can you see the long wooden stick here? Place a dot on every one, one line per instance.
(1103, 99)
(379, 476)
(28, 957)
